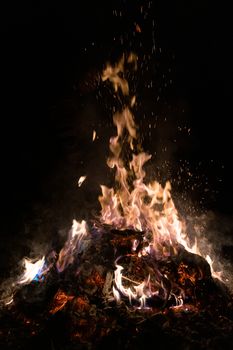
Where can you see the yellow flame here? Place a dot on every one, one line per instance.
(113, 73)
(135, 203)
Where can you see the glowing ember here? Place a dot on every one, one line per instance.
(60, 300)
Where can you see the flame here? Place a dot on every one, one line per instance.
(135, 203)
(73, 245)
(216, 274)
(139, 291)
(32, 270)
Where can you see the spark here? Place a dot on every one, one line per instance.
(94, 135)
(81, 180)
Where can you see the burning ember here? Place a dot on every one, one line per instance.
(134, 264)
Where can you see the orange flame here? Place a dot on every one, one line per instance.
(134, 203)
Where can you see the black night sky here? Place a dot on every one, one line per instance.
(50, 58)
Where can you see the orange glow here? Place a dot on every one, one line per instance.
(82, 304)
(95, 280)
(138, 29)
(59, 301)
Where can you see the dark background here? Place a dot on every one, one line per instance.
(50, 58)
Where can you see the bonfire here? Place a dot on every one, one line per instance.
(129, 274)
